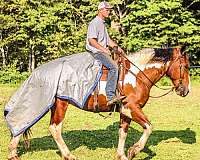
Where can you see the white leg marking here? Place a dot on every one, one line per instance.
(143, 140)
(121, 142)
(12, 148)
(55, 130)
(145, 136)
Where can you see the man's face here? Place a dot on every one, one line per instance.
(105, 12)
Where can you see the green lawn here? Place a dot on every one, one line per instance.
(176, 132)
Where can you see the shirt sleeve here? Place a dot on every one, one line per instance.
(92, 31)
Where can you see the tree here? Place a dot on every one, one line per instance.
(153, 23)
(33, 32)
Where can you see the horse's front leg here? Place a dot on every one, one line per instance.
(124, 125)
(12, 148)
(138, 116)
(57, 117)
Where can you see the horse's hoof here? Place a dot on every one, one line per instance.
(121, 157)
(70, 157)
(14, 158)
(132, 152)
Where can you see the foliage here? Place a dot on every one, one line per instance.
(165, 81)
(195, 74)
(37, 31)
(10, 75)
(153, 23)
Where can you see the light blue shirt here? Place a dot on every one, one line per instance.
(97, 30)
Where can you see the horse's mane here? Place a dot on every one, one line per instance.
(162, 54)
(151, 55)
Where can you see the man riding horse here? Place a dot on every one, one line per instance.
(52, 86)
(97, 42)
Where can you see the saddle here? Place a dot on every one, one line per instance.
(123, 65)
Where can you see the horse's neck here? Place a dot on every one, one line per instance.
(154, 75)
(148, 74)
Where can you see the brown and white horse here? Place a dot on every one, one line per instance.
(144, 69)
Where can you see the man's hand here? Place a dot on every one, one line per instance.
(118, 50)
(113, 44)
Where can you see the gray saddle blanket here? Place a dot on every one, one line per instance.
(72, 78)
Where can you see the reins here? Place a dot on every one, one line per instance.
(170, 89)
(127, 69)
(163, 94)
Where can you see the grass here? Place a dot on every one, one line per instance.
(176, 132)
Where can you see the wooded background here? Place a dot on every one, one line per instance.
(33, 32)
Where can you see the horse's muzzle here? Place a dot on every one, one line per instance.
(182, 91)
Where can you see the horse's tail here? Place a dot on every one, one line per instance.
(26, 135)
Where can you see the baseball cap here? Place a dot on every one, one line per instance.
(104, 4)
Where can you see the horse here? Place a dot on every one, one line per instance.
(137, 81)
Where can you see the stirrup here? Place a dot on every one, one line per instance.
(115, 100)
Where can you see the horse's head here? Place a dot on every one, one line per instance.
(178, 71)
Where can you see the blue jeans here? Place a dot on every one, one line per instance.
(113, 73)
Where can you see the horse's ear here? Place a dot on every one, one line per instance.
(183, 49)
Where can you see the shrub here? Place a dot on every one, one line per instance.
(165, 81)
(10, 74)
(195, 74)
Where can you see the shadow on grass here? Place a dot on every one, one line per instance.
(108, 138)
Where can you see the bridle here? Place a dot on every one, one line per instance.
(169, 89)
(181, 67)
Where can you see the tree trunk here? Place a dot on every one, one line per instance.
(3, 57)
(3, 52)
(31, 64)
(33, 61)
(120, 11)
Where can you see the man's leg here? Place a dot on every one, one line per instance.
(112, 73)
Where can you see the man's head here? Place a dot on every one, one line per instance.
(104, 9)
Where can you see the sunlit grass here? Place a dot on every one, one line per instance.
(176, 132)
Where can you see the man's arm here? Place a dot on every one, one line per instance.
(93, 42)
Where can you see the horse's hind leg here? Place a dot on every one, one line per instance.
(12, 148)
(57, 117)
